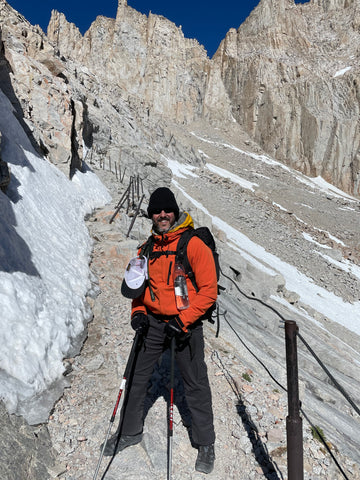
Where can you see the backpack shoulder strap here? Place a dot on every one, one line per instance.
(181, 254)
(146, 250)
(207, 237)
(147, 247)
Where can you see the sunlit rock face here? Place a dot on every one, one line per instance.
(32, 76)
(147, 57)
(288, 77)
(292, 75)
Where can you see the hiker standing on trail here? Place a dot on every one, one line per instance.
(156, 316)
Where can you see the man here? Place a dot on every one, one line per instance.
(154, 314)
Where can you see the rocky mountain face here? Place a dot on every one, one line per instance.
(288, 76)
(292, 75)
(134, 92)
(31, 76)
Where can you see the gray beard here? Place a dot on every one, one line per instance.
(162, 231)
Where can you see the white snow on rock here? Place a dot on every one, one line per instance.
(323, 301)
(44, 271)
(341, 72)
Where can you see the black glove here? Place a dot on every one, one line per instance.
(140, 323)
(175, 328)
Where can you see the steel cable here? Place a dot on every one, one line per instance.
(336, 384)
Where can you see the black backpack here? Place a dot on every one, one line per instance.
(181, 250)
(181, 256)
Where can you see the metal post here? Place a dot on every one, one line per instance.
(120, 204)
(134, 217)
(293, 420)
(123, 175)
(133, 191)
(129, 196)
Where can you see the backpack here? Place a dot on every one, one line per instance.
(181, 256)
(181, 251)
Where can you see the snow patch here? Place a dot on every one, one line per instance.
(44, 265)
(232, 176)
(324, 302)
(180, 170)
(341, 72)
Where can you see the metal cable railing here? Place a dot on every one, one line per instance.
(311, 351)
(131, 198)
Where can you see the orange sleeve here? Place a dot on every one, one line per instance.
(202, 263)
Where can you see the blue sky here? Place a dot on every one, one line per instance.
(206, 21)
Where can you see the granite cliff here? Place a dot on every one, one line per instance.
(288, 77)
(292, 75)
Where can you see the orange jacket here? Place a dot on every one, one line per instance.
(161, 277)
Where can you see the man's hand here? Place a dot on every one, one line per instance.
(140, 323)
(175, 328)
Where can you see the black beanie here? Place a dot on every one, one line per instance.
(162, 198)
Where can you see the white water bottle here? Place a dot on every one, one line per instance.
(181, 291)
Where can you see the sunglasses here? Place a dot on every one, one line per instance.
(156, 211)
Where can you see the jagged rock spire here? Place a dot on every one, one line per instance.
(121, 8)
(334, 4)
(267, 13)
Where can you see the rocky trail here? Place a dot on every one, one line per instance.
(250, 408)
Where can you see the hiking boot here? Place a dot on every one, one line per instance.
(115, 444)
(205, 459)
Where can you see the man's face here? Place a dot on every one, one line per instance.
(163, 221)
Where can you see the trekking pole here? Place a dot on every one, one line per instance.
(127, 372)
(171, 407)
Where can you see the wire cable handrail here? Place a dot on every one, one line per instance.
(332, 378)
(301, 408)
(335, 383)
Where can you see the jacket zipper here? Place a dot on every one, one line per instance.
(168, 278)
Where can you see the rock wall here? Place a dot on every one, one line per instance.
(146, 57)
(289, 76)
(293, 79)
(69, 111)
(4, 172)
(32, 76)
(25, 451)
